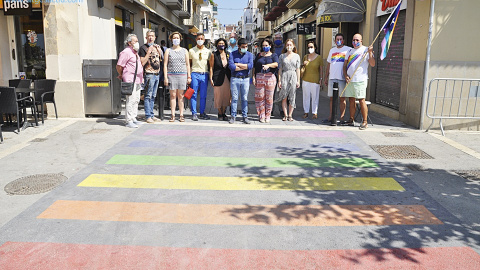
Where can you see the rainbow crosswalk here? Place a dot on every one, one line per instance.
(338, 195)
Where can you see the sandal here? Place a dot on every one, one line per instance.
(350, 122)
(182, 119)
(290, 119)
(172, 119)
(262, 120)
(314, 116)
(284, 118)
(363, 126)
(305, 115)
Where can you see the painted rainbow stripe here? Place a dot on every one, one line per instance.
(219, 214)
(240, 183)
(246, 133)
(317, 147)
(242, 162)
(27, 255)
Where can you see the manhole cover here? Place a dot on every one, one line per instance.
(400, 152)
(39, 140)
(469, 175)
(393, 134)
(97, 131)
(35, 184)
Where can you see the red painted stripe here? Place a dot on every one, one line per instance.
(18, 255)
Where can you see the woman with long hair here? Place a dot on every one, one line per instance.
(220, 76)
(264, 70)
(288, 78)
(176, 73)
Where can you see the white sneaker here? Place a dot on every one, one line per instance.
(131, 125)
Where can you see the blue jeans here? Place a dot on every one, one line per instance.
(199, 84)
(150, 94)
(239, 86)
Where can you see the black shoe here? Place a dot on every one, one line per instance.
(204, 116)
(225, 117)
(220, 117)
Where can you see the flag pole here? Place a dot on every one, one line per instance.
(373, 42)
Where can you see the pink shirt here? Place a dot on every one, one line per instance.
(127, 61)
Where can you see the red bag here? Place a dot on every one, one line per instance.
(189, 92)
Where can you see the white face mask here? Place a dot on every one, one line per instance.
(176, 41)
(289, 48)
(200, 42)
(136, 46)
(311, 50)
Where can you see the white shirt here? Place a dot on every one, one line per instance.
(354, 57)
(336, 58)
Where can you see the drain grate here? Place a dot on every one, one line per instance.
(97, 131)
(39, 140)
(400, 152)
(35, 184)
(469, 175)
(393, 134)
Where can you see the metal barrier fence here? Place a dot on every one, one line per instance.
(452, 98)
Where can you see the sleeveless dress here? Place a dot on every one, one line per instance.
(289, 78)
(177, 69)
(222, 94)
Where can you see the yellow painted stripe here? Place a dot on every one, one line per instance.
(240, 183)
(220, 214)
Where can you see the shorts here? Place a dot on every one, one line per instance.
(341, 86)
(357, 90)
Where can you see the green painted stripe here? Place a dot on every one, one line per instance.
(242, 162)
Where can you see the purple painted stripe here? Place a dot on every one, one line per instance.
(324, 147)
(246, 133)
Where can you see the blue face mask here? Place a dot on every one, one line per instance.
(233, 41)
(266, 49)
(278, 42)
(243, 50)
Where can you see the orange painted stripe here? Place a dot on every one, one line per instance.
(274, 215)
(48, 256)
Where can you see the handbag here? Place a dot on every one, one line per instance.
(126, 88)
(302, 70)
(188, 94)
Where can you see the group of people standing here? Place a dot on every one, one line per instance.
(229, 70)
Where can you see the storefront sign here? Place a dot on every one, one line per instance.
(97, 84)
(305, 28)
(385, 7)
(16, 7)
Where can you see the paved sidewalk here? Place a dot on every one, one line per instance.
(369, 211)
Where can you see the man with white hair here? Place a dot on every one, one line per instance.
(127, 63)
(232, 43)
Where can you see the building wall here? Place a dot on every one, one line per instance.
(5, 52)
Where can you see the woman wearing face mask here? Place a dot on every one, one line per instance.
(176, 73)
(220, 76)
(312, 79)
(264, 70)
(288, 78)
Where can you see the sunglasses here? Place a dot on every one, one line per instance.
(200, 56)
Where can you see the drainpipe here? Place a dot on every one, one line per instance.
(427, 65)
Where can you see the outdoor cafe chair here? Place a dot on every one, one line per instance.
(45, 93)
(19, 83)
(10, 104)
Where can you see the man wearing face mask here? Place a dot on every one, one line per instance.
(128, 62)
(240, 63)
(232, 43)
(199, 57)
(151, 56)
(334, 73)
(357, 81)
(278, 42)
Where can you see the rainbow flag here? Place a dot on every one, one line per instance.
(388, 28)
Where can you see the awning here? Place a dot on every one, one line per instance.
(151, 10)
(332, 12)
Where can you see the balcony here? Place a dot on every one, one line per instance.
(263, 34)
(215, 10)
(182, 14)
(174, 4)
(261, 4)
(300, 4)
(193, 23)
